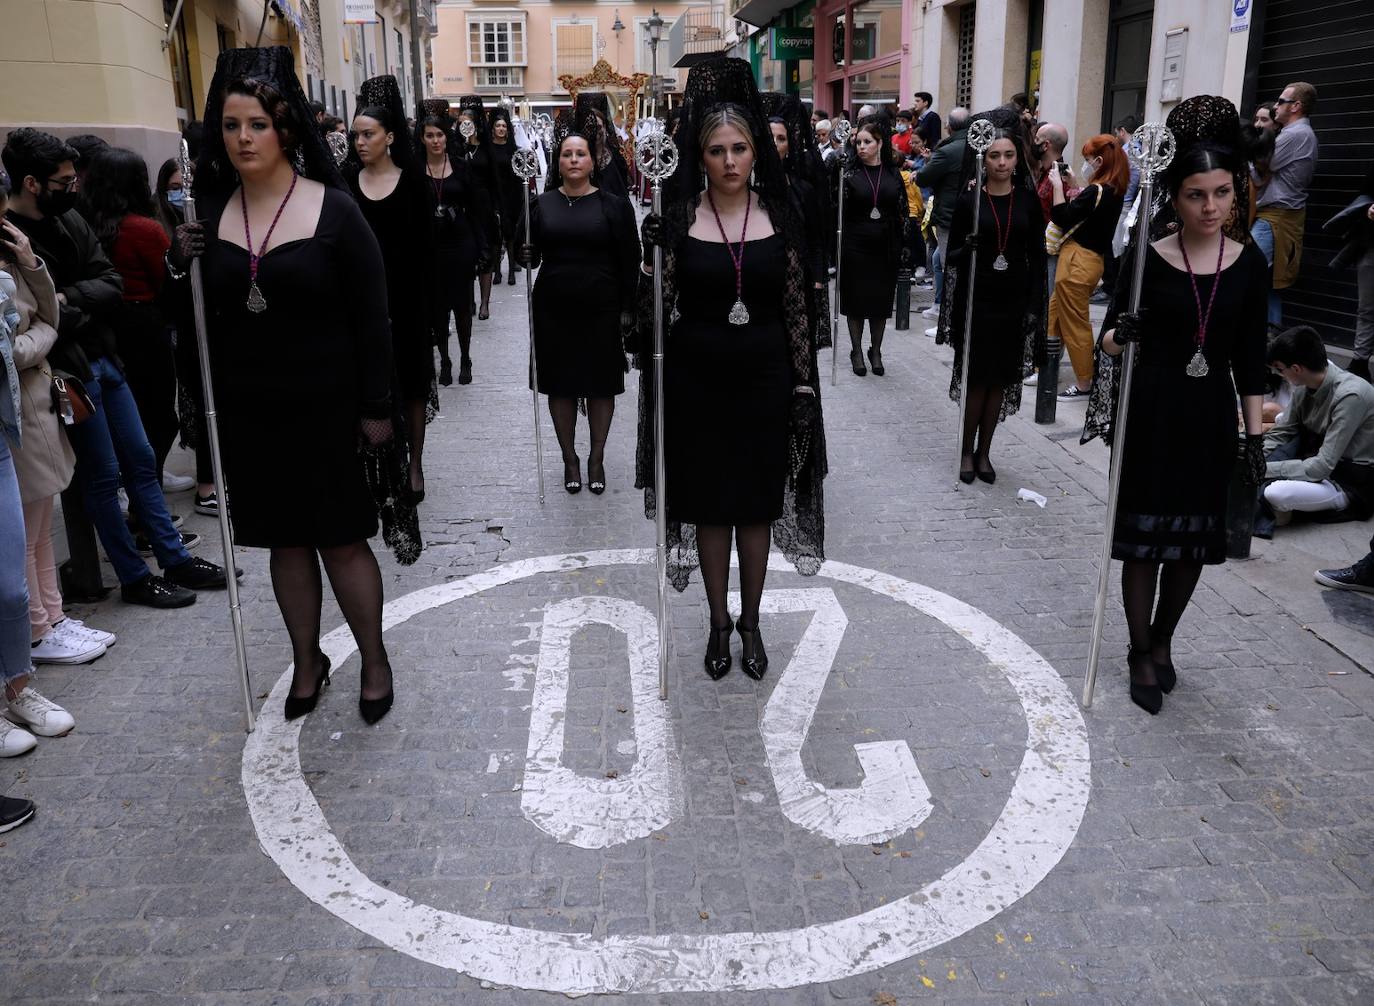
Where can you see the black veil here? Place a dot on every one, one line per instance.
(215, 177)
(385, 93)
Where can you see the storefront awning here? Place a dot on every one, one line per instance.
(762, 12)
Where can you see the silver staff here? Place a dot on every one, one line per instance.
(207, 386)
(1151, 148)
(656, 155)
(979, 139)
(525, 163)
(467, 128)
(840, 131)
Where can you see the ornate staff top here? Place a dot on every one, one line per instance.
(980, 135)
(185, 165)
(1152, 147)
(841, 130)
(525, 163)
(656, 154)
(467, 129)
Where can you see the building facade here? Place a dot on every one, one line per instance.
(135, 71)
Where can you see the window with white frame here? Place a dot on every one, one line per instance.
(496, 39)
(574, 47)
(506, 78)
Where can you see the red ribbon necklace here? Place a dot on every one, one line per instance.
(1197, 366)
(739, 314)
(257, 303)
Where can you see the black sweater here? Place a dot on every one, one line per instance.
(1096, 218)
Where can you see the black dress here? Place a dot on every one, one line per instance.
(455, 210)
(401, 222)
(588, 274)
(1181, 435)
(1002, 297)
(293, 382)
(871, 248)
(505, 185)
(727, 388)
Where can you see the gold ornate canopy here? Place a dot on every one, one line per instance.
(623, 92)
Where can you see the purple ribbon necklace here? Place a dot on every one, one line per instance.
(739, 314)
(1197, 366)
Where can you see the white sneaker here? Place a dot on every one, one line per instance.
(931, 312)
(1032, 380)
(77, 627)
(65, 647)
(176, 483)
(920, 272)
(42, 716)
(14, 740)
(930, 332)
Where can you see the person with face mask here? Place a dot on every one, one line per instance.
(902, 134)
(90, 292)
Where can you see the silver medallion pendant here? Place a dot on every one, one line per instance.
(1197, 366)
(873, 214)
(1000, 263)
(257, 303)
(439, 212)
(739, 314)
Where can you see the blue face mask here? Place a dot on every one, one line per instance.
(176, 197)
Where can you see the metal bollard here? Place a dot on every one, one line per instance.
(903, 300)
(1240, 508)
(1047, 385)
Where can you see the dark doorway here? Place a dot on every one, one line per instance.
(1128, 60)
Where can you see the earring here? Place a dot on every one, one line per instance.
(751, 178)
(298, 161)
(705, 180)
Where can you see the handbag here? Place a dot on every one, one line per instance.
(1055, 236)
(70, 399)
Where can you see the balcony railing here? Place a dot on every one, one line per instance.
(697, 35)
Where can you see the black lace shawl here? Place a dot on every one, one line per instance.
(800, 532)
(1203, 118)
(1033, 320)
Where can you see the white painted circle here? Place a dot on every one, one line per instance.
(1032, 833)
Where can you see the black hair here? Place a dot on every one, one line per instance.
(1130, 123)
(87, 146)
(925, 96)
(382, 115)
(167, 214)
(1299, 345)
(819, 112)
(317, 107)
(906, 113)
(1268, 106)
(193, 135)
(1257, 143)
(330, 123)
(32, 152)
(1199, 159)
(115, 186)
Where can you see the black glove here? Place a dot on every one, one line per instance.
(651, 234)
(971, 242)
(904, 259)
(1129, 327)
(524, 255)
(1252, 457)
(188, 242)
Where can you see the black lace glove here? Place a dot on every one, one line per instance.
(806, 409)
(188, 242)
(904, 259)
(376, 432)
(971, 242)
(1253, 460)
(524, 255)
(629, 336)
(651, 234)
(1129, 327)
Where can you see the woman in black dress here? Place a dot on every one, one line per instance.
(493, 159)
(802, 166)
(744, 441)
(1201, 333)
(1009, 302)
(585, 239)
(390, 189)
(472, 142)
(460, 239)
(875, 222)
(296, 309)
(592, 118)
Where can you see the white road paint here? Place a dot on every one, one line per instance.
(1032, 833)
(892, 797)
(589, 812)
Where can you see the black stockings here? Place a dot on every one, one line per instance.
(357, 585)
(1152, 624)
(713, 546)
(876, 328)
(980, 417)
(415, 430)
(563, 412)
(462, 315)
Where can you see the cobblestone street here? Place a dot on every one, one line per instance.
(1220, 853)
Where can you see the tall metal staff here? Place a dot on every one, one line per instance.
(979, 139)
(1151, 148)
(207, 386)
(657, 159)
(525, 163)
(839, 131)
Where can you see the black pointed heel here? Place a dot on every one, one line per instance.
(982, 467)
(966, 475)
(372, 710)
(856, 360)
(875, 363)
(572, 483)
(718, 651)
(1147, 697)
(298, 707)
(1165, 673)
(596, 484)
(753, 659)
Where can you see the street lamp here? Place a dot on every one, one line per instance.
(654, 28)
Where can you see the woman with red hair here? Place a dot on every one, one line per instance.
(1086, 225)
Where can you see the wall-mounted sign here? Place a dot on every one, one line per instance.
(1240, 14)
(360, 12)
(791, 43)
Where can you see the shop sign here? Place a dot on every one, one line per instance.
(1240, 14)
(360, 12)
(791, 43)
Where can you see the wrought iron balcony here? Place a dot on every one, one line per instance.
(698, 34)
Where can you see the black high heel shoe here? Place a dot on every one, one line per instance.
(1165, 673)
(446, 373)
(982, 467)
(372, 710)
(1147, 697)
(596, 484)
(718, 651)
(298, 707)
(856, 360)
(966, 475)
(573, 482)
(875, 362)
(753, 660)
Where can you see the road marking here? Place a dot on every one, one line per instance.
(1032, 833)
(583, 810)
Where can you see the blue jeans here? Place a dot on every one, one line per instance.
(14, 587)
(1263, 233)
(112, 444)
